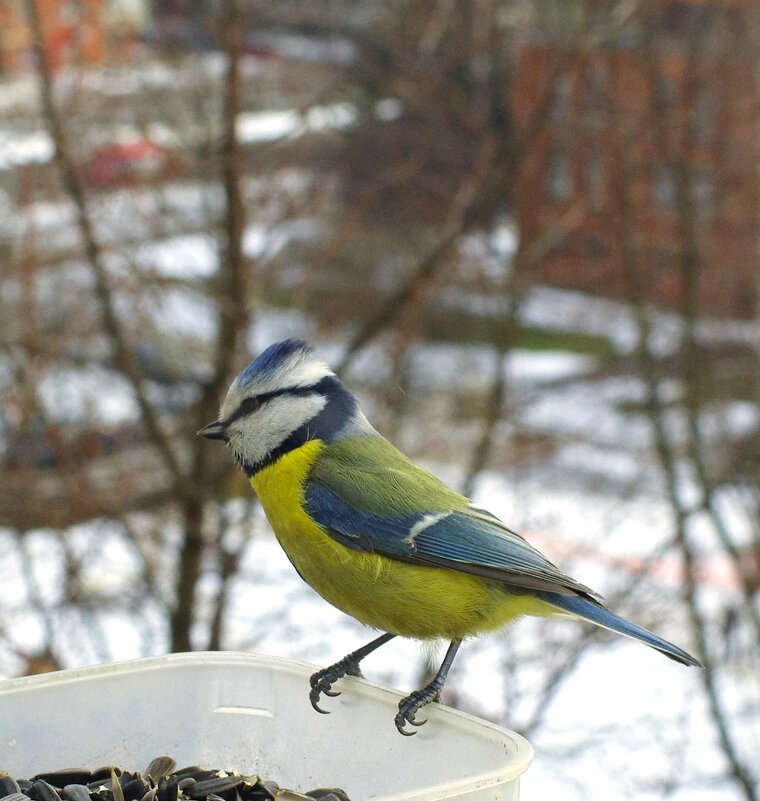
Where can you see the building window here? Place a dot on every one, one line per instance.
(680, 20)
(595, 246)
(662, 259)
(559, 176)
(594, 179)
(664, 189)
(704, 114)
(703, 192)
(597, 90)
(561, 100)
(665, 93)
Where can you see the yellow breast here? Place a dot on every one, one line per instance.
(410, 600)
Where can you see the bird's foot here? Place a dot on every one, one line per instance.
(323, 680)
(411, 705)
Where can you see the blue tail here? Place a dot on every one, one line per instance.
(593, 612)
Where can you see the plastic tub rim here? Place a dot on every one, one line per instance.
(520, 759)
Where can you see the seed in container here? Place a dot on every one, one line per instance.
(160, 781)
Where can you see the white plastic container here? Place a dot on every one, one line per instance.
(252, 714)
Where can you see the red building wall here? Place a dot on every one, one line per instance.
(73, 32)
(652, 159)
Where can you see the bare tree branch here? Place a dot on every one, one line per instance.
(233, 318)
(679, 149)
(458, 223)
(123, 356)
(681, 514)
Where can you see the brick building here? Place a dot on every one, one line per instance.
(73, 31)
(647, 154)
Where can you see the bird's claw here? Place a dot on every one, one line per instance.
(320, 684)
(401, 722)
(408, 709)
(314, 698)
(323, 680)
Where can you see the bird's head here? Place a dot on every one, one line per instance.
(284, 397)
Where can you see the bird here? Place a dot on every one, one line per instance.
(378, 536)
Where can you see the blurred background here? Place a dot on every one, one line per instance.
(526, 233)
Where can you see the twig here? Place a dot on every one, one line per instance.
(681, 514)
(123, 356)
(682, 156)
(231, 298)
(458, 222)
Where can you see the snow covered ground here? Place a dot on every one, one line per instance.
(626, 722)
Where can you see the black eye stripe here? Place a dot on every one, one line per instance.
(250, 405)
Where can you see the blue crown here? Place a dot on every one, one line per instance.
(271, 358)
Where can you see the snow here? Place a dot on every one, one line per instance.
(337, 116)
(328, 49)
(388, 109)
(431, 365)
(589, 410)
(614, 726)
(189, 256)
(185, 312)
(25, 147)
(563, 309)
(17, 149)
(268, 126)
(87, 395)
(625, 707)
(17, 93)
(530, 366)
(136, 77)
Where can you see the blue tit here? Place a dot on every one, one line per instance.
(378, 536)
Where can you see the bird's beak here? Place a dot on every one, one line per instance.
(215, 430)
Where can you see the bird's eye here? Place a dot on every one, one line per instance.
(248, 405)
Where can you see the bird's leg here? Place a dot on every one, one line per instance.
(323, 680)
(412, 704)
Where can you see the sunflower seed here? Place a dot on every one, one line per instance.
(328, 794)
(168, 789)
(8, 785)
(160, 767)
(76, 792)
(216, 785)
(104, 773)
(269, 788)
(15, 797)
(133, 788)
(190, 770)
(118, 793)
(159, 782)
(42, 791)
(60, 778)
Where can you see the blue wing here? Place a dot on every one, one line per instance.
(466, 539)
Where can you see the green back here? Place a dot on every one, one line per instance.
(372, 475)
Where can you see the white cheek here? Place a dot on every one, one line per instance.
(258, 434)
